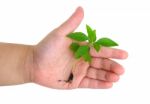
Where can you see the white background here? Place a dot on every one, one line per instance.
(126, 21)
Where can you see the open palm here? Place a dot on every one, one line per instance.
(54, 62)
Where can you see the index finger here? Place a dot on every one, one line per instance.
(107, 52)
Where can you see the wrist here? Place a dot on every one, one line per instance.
(29, 65)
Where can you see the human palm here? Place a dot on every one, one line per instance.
(54, 61)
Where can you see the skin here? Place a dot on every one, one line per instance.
(50, 62)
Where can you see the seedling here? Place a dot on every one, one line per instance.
(91, 40)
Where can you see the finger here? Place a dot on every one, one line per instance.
(106, 52)
(102, 75)
(96, 84)
(107, 64)
(72, 23)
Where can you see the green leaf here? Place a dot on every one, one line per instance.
(87, 57)
(106, 42)
(91, 34)
(81, 51)
(78, 36)
(94, 34)
(74, 46)
(96, 46)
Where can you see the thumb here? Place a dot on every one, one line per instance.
(72, 23)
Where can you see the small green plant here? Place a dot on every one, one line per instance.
(83, 50)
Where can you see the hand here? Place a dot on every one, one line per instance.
(54, 61)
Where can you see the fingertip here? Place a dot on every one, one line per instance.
(124, 55)
(80, 12)
(116, 79)
(108, 85)
(119, 70)
(79, 8)
(112, 77)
